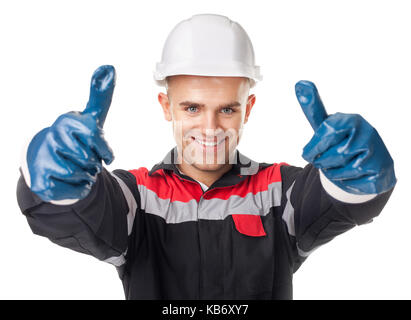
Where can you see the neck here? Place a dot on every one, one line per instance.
(208, 177)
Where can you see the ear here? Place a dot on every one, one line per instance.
(249, 106)
(165, 104)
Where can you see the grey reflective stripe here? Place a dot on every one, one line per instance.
(132, 208)
(131, 202)
(116, 261)
(256, 204)
(288, 217)
(305, 254)
(171, 212)
(288, 214)
(211, 209)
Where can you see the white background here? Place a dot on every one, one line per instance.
(357, 52)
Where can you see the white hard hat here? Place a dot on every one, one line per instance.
(208, 45)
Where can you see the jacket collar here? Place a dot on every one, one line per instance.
(242, 167)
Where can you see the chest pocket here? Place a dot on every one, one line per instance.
(249, 225)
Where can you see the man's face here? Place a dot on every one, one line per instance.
(208, 115)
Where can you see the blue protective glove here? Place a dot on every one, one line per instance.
(347, 149)
(63, 160)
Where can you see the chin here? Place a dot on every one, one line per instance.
(208, 167)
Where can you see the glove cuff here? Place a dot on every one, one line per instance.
(342, 195)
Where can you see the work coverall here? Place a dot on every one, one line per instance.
(242, 238)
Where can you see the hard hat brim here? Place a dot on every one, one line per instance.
(233, 69)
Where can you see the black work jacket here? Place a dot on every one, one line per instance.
(243, 238)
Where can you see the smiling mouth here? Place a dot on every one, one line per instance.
(207, 143)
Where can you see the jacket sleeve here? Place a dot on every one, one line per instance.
(98, 225)
(313, 217)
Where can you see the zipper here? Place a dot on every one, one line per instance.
(200, 275)
(200, 271)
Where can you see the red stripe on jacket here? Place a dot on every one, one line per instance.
(168, 185)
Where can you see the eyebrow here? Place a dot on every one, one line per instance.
(195, 104)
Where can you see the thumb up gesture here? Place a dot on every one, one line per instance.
(347, 149)
(62, 161)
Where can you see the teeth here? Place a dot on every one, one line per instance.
(207, 143)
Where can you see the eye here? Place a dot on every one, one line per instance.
(227, 110)
(192, 109)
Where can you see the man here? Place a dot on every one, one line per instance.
(206, 222)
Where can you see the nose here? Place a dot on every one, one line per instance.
(209, 121)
